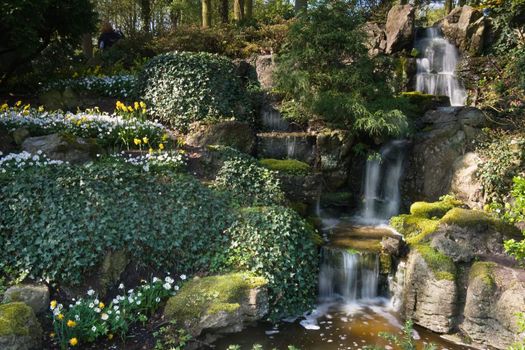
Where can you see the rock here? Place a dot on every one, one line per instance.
(264, 66)
(495, 294)
(110, 271)
(445, 136)
(230, 133)
(375, 38)
(20, 134)
(36, 296)
(392, 246)
(54, 99)
(297, 145)
(334, 152)
(271, 118)
(19, 327)
(304, 188)
(429, 301)
(465, 27)
(400, 28)
(7, 143)
(68, 148)
(465, 184)
(219, 304)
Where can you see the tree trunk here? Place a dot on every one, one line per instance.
(87, 46)
(300, 5)
(462, 2)
(448, 6)
(248, 9)
(206, 13)
(174, 18)
(238, 10)
(225, 9)
(145, 11)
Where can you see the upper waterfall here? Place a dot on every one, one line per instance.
(436, 67)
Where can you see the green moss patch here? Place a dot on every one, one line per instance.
(414, 228)
(441, 265)
(288, 166)
(484, 271)
(432, 210)
(210, 295)
(16, 319)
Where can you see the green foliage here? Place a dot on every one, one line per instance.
(435, 209)
(441, 265)
(287, 166)
(276, 243)
(60, 220)
(405, 341)
(502, 157)
(28, 27)
(324, 71)
(182, 87)
(248, 183)
(521, 328)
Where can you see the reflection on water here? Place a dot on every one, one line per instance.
(334, 326)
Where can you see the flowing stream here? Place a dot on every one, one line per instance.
(436, 68)
(354, 304)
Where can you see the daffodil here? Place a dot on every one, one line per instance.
(130, 109)
(73, 341)
(142, 105)
(60, 316)
(71, 323)
(136, 105)
(145, 139)
(18, 103)
(161, 146)
(41, 109)
(110, 336)
(52, 335)
(53, 304)
(137, 141)
(101, 305)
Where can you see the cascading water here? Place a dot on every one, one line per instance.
(347, 275)
(382, 197)
(436, 69)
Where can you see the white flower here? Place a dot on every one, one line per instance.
(130, 291)
(155, 279)
(97, 310)
(138, 302)
(115, 301)
(157, 300)
(176, 287)
(96, 301)
(77, 318)
(183, 277)
(91, 305)
(169, 280)
(104, 316)
(93, 329)
(121, 286)
(91, 292)
(167, 286)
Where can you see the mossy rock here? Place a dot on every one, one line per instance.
(424, 102)
(19, 327)
(432, 210)
(479, 220)
(414, 228)
(287, 166)
(441, 265)
(203, 298)
(483, 271)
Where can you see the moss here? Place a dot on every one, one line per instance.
(16, 319)
(467, 218)
(289, 166)
(210, 295)
(441, 265)
(431, 210)
(414, 228)
(385, 263)
(484, 271)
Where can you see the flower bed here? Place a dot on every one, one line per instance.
(120, 86)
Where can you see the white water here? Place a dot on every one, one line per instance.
(382, 197)
(436, 69)
(348, 276)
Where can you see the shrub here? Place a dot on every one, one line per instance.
(276, 243)
(120, 86)
(248, 183)
(183, 87)
(57, 221)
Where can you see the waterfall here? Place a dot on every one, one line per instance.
(382, 196)
(347, 275)
(436, 69)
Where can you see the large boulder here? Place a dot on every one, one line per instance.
(235, 134)
(400, 28)
(495, 295)
(36, 296)
(7, 143)
(68, 148)
(437, 157)
(466, 28)
(264, 66)
(465, 185)
(334, 152)
(219, 304)
(375, 38)
(19, 327)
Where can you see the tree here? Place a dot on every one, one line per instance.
(224, 10)
(28, 27)
(248, 9)
(238, 10)
(206, 13)
(300, 5)
(145, 10)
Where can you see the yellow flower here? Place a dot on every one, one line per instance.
(110, 336)
(145, 139)
(130, 109)
(75, 75)
(41, 108)
(5, 106)
(137, 141)
(73, 341)
(150, 150)
(53, 304)
(142, 104)
(101, 305)
(27, 106)
(60, 316)
(71, 323)
(136, 105)
(144, 110)
(52, 335)
(161, 146)
(18, 103)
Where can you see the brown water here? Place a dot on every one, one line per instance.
(341, 326)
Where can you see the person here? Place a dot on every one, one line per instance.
(109, 36)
